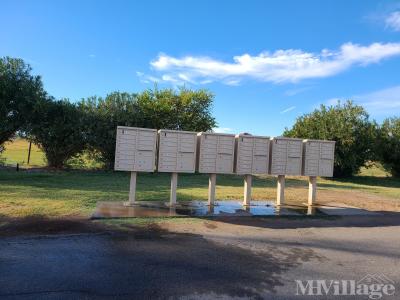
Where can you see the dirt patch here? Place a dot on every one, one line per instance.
(359, 199)
(210, 225)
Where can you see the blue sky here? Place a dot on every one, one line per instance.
(267, 62)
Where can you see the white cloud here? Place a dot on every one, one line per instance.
(147, 78)
(386, 101)
(383, 102)
(92, 55)
(288, 109)
(279, 66)
(393, 21)
(222, 130)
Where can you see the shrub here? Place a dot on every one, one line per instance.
(349, 126)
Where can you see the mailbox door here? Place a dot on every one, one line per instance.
(260, 156)
(168, 151)
(326, 159)
(145, 151)
(312, 153)
(226, 146)
(208, 153)
(294, 157)
(186, 160)
(279, 157)
(125, 149)
(244, 155)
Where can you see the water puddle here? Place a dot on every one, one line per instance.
(112, 209)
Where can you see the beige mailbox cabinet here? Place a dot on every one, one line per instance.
(252, 154)
(286, 156)
(216, 152)
(135, 149)
(318, 158)
(177, 151)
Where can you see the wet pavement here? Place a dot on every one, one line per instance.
(201, 260)
(226, 208)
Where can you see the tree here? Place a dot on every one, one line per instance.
(388, 145)
(101, 118)
(180, 110)
(347, 124)
(19, 91)
(169, 109)
(57, 127)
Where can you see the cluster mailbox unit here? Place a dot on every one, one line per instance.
(216, 154)
(135, 152)
(176, 154)
(251, 157)
(318, 161)
(286, 159)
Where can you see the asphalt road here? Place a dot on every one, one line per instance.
(201, 260)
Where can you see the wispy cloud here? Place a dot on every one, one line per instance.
(222, 130)
(392, 21)
(288, 109)
(277, 67)
(92, 55)
(293, 92)
(383, 102)
(147, 78)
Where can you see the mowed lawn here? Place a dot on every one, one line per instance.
(75, 193)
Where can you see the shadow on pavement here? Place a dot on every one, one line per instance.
(144, 262)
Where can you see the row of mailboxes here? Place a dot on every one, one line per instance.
(216, 153)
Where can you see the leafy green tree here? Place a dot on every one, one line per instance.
(388, 145)
(347, 124)
(19, 91)
(169, 109)
(101, 118)
(183, 110)
(57, 128)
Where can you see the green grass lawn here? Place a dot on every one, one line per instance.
(17, 152)
(75, 193)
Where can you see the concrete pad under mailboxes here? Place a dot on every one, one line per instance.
(114, 209)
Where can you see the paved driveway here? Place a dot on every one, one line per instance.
(223, 259)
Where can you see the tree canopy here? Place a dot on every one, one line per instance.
(19, 91)
(347, 124)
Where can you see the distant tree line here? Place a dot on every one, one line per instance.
(63, 130)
